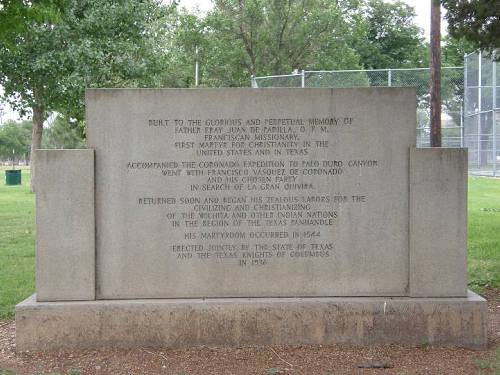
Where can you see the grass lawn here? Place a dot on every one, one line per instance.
(484, 233)
(17, 244)
(17, 254)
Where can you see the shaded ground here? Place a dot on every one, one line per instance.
(331, 359)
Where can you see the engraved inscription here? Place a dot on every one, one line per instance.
(239, 222)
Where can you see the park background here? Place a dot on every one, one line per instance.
(51, 52)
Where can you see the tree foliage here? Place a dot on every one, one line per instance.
(15, 140)
(454, 50)
(478, 21)
(131, 43)
(94, 44)
(245, 37)
(388, 36)
(239, 38)
(17, 15)
(63, 133)
(183, 36)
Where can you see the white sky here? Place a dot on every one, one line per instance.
(422, 9)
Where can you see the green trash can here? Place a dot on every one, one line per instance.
(13, 177)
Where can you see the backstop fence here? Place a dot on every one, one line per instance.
(481, 114)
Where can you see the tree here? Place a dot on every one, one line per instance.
(454, 50)
(184, 36)
(478, 21)
(15, 139)
(46, 66)
(17, 19)
(63, 133)
(257, 37)
(388, 37)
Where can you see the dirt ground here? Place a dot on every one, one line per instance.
(331, 359)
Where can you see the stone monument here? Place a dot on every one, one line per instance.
(251, 216)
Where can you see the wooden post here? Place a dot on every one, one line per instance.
(435, 73)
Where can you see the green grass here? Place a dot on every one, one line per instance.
(484, 233)
(17, 238)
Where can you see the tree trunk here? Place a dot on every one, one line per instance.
(36, 141)
(435, 76)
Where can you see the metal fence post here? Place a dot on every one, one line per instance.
(493, 114)
(196, 68)
(302, 78)
(462, 126)
(463, 106)
(253, 82)
(480, 108)
(389, 78)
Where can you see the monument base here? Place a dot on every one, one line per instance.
(251, 321)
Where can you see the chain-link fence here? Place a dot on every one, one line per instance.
(452, 89)
(481, 117)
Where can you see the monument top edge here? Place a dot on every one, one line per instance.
(251, 89)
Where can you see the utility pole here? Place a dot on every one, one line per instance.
(435, 76)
